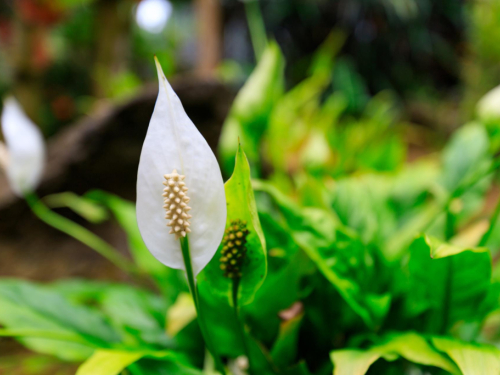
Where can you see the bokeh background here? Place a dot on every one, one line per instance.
(83, 70)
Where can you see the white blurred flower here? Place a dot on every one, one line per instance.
(178, 167)
(23, 155)
(488, 108)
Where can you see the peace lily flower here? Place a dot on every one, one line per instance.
(180, 191)
(488, 107)
(23, 154)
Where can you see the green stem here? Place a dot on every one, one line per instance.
(256, 26)
(186, 255)
(79, 233)
(450, 225)
(493, 221)
(241, 329)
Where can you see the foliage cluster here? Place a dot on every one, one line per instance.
(357, 261)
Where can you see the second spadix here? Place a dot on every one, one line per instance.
(177, 166)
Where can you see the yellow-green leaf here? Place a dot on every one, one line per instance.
(410, 346)
(248, 117)
(108, 362)
(471, 359)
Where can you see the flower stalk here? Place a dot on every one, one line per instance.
(196, 298)
(241, 327)
(233, 257)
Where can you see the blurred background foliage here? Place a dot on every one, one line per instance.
(60, 57)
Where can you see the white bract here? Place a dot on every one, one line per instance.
(488, 107)
(177, 166)
(23, 155)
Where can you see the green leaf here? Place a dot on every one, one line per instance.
(112, 362)
(137, 314)
(285, 349)
(169, 281)
(26, 306)
(347, 80)
(81, 291)
(108, 362)
(339, 255)
(323, 59)
(300, 369)
(166, 366)
(240, 206)
(83, 206)
(124, 212)
(361, 202)
(288, 119)
(410, 346)
(471, 359)
(447, 282)
(467, 152)
(248, 116)
(280, 290)
(46, 334)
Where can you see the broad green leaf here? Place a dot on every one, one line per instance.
(410, 346)
(25, 306)
(83, 206)
(447, 282)
(108, 362)
(248, 116)
(240, 207)
(467, 151)
(472, 359)
(81, 291)
(465, 158)
(353, 362)
(342, 258)
(361, 203)
(137, 314)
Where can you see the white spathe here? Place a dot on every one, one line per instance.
(488, 107)
(23, 155)
(173, 142)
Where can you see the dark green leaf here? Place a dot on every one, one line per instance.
(338, 254)
(447, 282)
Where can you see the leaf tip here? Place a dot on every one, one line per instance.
(161, 75)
